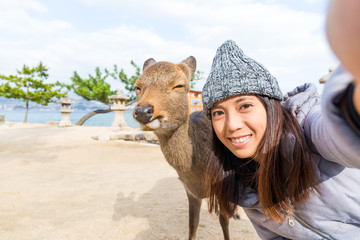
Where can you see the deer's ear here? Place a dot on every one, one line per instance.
(188, 66)
(148, 62)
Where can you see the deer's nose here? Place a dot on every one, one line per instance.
(144, 114)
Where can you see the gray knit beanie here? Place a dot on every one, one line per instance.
(233, 73)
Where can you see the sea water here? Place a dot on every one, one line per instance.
(44, 116)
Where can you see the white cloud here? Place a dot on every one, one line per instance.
(290, 43)
(25, 4)
(16, 19)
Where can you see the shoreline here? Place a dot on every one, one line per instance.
(102, 119)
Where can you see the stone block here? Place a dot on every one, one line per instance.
(150, 137)
(139, 137)
(52, 123)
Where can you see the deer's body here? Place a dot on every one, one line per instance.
(185, 141)
(191, 141)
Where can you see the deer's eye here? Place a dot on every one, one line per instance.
(179, 86)
(137, 89)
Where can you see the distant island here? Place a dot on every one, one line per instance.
(10, 104)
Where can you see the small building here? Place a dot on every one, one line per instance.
(195, 101)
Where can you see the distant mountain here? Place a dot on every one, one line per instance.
(80, 104)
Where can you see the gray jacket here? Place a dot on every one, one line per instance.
(333, 210)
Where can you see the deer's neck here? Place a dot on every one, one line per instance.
(177, 148)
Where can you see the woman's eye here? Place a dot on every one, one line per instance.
(216, 113)
(245, 106)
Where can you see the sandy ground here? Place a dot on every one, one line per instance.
(59, 183)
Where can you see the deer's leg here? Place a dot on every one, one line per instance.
(194, 215)
(224, 222)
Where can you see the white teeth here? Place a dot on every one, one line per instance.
(240, 140)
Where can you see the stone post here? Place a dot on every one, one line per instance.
(65, 112)
(119, 107)
(2, 120)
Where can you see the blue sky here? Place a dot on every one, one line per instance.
(286, 36)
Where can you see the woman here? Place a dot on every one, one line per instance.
(290, 162)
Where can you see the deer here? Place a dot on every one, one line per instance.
(185, 140)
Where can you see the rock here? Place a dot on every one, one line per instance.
(150, 137)
(52, 123)
(130, 136)
(103, 137)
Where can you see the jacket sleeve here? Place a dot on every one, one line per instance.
(266, 233)
(331, 134)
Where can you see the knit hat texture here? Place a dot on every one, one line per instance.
(233, 73)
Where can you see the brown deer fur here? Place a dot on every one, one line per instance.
(162, 107)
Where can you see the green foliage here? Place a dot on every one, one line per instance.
(129, 81)
(28, 85)
(95, 87)
(198, 75)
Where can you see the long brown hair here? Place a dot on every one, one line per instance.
(281, 171)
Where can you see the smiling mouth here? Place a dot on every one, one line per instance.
(240, 139)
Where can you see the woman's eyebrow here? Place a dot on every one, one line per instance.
(243, 98)
(239, 99)
(216, 106)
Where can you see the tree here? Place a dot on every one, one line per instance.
(129, 81)
(94, 88)
(29, 85)
(198, 75)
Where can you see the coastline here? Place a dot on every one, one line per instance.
(44, 116)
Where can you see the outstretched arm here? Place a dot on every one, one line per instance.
(343, 32)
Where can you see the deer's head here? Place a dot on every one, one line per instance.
(161, 90)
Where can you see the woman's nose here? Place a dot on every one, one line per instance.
(234, 122)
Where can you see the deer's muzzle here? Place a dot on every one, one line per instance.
(144, 114)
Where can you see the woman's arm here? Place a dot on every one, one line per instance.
(330, 132)
(343, 33)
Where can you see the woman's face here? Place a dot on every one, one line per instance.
(240, 123)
